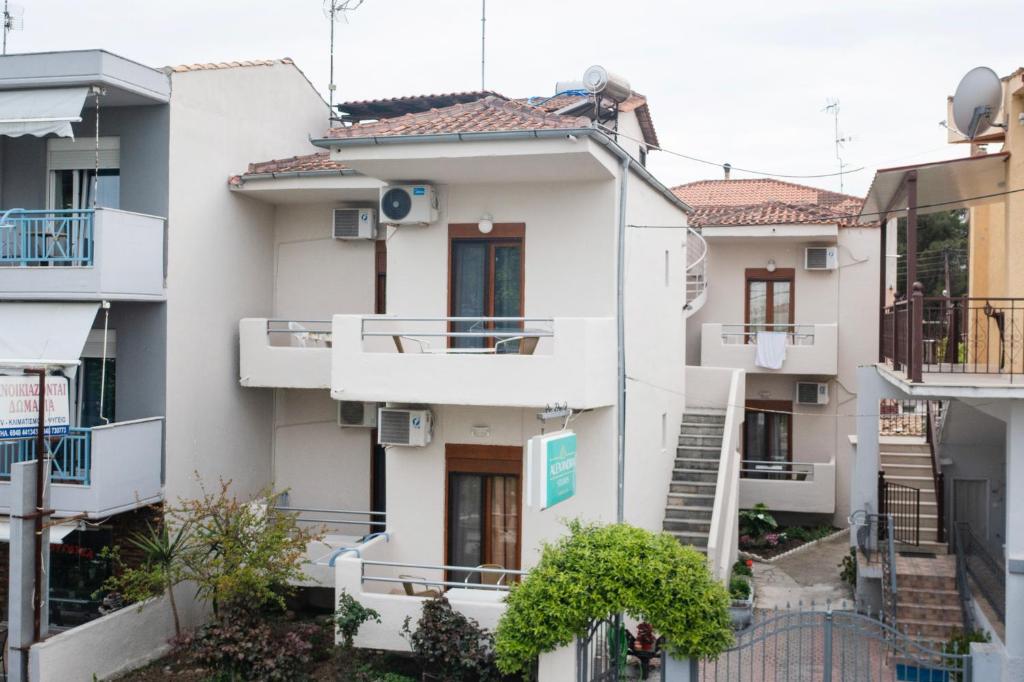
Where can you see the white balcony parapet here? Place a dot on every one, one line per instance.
(371, 574)
(90, 254)
(124, 462)
(507, 362)
(808, 487)
(723, 536)
(284, 353)
(810, 348)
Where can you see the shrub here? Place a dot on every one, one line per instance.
(450, 644)
(848, 568)
(597, 571)
(757, 521)
(350, 616)
(743, 567)
(739, 588)
(959, 644)
(244, 648)
(800, 533)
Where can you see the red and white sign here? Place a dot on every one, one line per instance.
(19, 406)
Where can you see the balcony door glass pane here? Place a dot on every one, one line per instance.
(781, 314)
(765, 439)
(507, 290)
(465, 522)
(757, 298)
(469, 289)
(503, 533)
(89, 380)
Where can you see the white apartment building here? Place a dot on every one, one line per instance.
(791, 293)
(124, 266)
(488, 298)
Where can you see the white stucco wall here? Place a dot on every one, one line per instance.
(847, 297)
(220, 263)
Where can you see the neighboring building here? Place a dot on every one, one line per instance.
(499, 308)
(958, 487)
(789, 265)
(134, 293)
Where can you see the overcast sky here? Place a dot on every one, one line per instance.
(738, 81)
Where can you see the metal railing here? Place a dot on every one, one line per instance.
(71, 456)
(301, 333)
(461, 334)
(903, 504)
(902, 417)
(796, 334)
(973, 559)
(46, 237)
(696, 265)
(938, 334)
(505, 576)
(778, 471)
(374, 521)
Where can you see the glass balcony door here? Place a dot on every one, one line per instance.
(486, 281)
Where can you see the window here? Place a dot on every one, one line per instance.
(770, 299)
(767, 437)
(380, 287)
(73, 175)
(486, 280)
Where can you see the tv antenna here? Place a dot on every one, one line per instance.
(977, 100)
(14, 20)
(335, 10)
(483, 44)
(832, 107)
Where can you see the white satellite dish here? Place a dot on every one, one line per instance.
(977, 100)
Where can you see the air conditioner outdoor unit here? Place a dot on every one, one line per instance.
(821, 258)
(353, 413)
(408, 205)
(404, 427)
(354, 223)
(811, 393)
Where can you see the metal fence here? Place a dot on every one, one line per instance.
(601, 653)
(45, 237)
(796, 645)
(974, 560)
(70, 454)
(903, 503)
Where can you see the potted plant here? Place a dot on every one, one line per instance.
(741, 594)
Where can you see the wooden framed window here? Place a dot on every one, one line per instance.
(486, 279)
(483, 507)
(767, 435)
(770, 299)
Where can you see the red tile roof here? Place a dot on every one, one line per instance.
(766, 201)
(310, 163)
(490, 114)
(411, 104)
(636, 103)
(229, 65)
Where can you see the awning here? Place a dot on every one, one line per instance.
(33, 334)
(941, 186)
(57, 533)
(41, 112)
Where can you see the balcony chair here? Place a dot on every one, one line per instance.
(411, 580)
(489, 578)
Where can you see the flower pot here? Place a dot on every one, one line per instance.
(741, 611)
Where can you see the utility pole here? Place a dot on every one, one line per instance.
(832, 107)
(336, 9)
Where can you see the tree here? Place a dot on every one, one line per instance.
(598, 571)
(940, 237)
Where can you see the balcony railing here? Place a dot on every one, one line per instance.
(796, 334)
(461, 335)
(54, 238)
(942, 335)
(285, 353)
(810, 348)
(70, 456)
(777, 471)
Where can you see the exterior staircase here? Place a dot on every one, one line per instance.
(908, 461)
(928, 603)
(691, 497)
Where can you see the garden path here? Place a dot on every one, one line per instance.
(808, 576)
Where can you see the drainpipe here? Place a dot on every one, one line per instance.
(620, 276)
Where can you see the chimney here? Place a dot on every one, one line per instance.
(727, 167)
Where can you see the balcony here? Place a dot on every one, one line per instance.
(810, 348)
(502, 362)
(98, 471)
(284, 353)
(81, 255)
(807, 487)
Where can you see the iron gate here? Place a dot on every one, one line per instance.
(601, 655)
(903, 503)
(831, 646)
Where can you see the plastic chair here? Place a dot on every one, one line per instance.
(410, 580)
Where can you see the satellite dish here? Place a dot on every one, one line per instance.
(977, 100)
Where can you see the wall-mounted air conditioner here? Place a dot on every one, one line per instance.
(353, 413)
(397, 426)
(354, 223)
(408, 204)
(811, 393)
(821, 258)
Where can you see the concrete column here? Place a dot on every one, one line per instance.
(1015, 537)
(864, 477)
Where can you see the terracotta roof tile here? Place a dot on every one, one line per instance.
(308, 163)
(390, 107)
(766, 201)
(229, 65)
(490, 114)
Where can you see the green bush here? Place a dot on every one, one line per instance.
(742, 568)
(350, 616)
(598, 571)
(757, 521)
(739, 588)
(450, 644)
(848, 568)
(959, 644)
(800, 533)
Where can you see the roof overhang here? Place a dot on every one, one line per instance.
(794, 232)
(309, 187)
(126, 83)
(551, 155)
(941, 186)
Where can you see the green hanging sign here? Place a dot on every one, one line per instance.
(558, 468)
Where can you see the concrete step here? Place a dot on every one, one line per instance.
(694, 475)
(914, 581)
(699, 451)
(904, 448)
(926, 628)
(704, 417)
(701, 429)
(700, 500)
(688, 512)
(927, 597)
(706, 463)
(935, 613)
(910, 470)
(887, 458)
(706, 489)
(701, 440)
(687, 526)
(688, 537)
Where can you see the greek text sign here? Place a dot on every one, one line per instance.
(551, 468)
(19, 406)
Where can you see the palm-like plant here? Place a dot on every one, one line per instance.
(163, 556)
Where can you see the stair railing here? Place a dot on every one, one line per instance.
(934, 414)
(961, 538)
